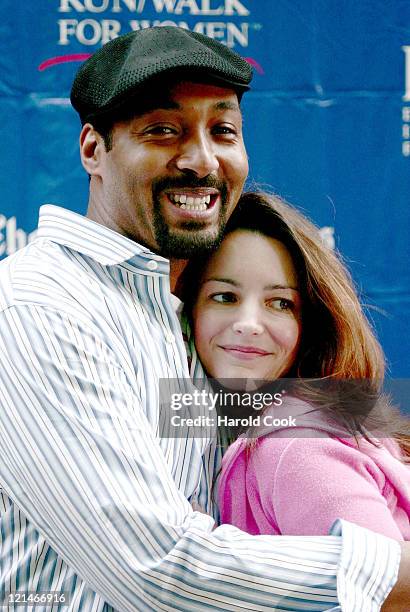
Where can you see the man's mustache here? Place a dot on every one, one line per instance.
(188, 182)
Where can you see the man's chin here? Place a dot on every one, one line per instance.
(186, 244)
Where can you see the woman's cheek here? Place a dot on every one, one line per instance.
(286, 332)
(205, 327)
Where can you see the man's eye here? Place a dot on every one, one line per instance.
(224, 130)
(160, 130)
(281, 304)
(227, 297)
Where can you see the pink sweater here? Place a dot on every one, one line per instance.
(299, 480)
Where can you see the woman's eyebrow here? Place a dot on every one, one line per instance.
(273, 287)
(235, 283)
(219, 279)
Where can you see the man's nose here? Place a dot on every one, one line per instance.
(198, 155)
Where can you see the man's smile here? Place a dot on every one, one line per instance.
(194, 203)
(198, 200)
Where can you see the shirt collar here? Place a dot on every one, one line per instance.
(96, 241)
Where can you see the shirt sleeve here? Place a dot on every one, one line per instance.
(318, 480)
(82, 462)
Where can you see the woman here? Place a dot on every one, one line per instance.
(275, 302)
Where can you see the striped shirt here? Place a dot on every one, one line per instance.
(93, 500)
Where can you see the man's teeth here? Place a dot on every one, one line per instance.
(189, 202)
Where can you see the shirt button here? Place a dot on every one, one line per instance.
(152, 265)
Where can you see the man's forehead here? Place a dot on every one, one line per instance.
(177, 96)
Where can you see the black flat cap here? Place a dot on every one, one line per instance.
(129, 63)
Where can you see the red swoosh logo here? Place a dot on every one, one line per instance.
(81, 57)
(62, 59)
(255, 64)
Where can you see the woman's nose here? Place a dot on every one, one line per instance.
(248, 324)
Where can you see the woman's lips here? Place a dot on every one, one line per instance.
(244, 352)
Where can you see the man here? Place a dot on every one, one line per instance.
(94, 503)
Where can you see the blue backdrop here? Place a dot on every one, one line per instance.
(327, 124)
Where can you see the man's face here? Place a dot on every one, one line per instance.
(175, 173)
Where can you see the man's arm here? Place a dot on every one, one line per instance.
(80, 460)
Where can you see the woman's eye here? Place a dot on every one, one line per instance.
(223, 298)
(281, 304)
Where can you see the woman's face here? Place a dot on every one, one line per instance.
(247, 318)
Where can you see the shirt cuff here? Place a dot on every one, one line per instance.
(368, 569)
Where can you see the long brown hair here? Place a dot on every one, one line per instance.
(337, 343)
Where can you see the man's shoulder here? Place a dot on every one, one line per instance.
(45, 273)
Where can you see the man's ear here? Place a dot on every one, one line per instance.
(91, 149)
